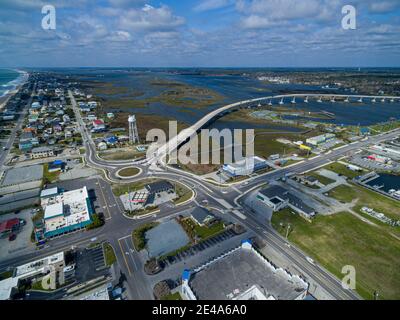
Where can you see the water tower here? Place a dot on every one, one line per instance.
(133, 131)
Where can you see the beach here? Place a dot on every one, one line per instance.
(17, 84)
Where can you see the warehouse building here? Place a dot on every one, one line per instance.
(242, 274)
(315, 141)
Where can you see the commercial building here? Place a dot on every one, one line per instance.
(159, 186)
(391, 151)
(65, 212)
(201, 216)
(41, 152)
(278, 198)
(245, 166)
(315, 141)
(242, 274)
(379, 159)
(51, 267)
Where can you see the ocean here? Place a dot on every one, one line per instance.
(9, 79)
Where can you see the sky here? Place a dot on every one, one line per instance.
(200, 33)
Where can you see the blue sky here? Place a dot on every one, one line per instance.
(214, 33)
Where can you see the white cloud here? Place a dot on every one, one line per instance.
(208, 5)
(150, 19)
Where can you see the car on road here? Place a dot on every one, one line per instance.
(310, 260)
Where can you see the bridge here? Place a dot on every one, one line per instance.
(183, 136)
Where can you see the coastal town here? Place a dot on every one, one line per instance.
(199, 158)
(59, 184)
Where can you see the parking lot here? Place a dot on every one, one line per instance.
(8, 249)
(90, 264)
(166, 237)
(23, 174)
(362, 161)
(227, 234)
(74, 169)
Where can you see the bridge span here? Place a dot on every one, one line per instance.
(174, 143)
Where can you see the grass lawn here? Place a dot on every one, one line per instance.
(207, 232)
(121, 155)
(120, 189)
(172, 296)
(203, 232)
(129, 172)
(342, 239)
(324, 180)
(183, 192)
(49, 177)
(343, 193)
(342, 169)
(109, 254)
(367, 198)
(138, 235)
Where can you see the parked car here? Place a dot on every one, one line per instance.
(12, 237)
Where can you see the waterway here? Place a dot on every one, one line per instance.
(233, 87)
(388, 181)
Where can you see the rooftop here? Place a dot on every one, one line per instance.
(200, 214)
(275, 191)
(232, 276)
(159, 186)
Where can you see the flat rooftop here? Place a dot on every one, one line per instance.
(239, 271)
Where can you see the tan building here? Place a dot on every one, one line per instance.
(41, 152)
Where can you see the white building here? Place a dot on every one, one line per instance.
(50, 266)
(315, 141)
(102, 146)
(242, 274)
(66, 212)
(245, 167)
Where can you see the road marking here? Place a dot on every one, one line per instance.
(126, 262)
(104, 198)
(124, 237)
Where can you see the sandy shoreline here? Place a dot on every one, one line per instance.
(21, 81)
